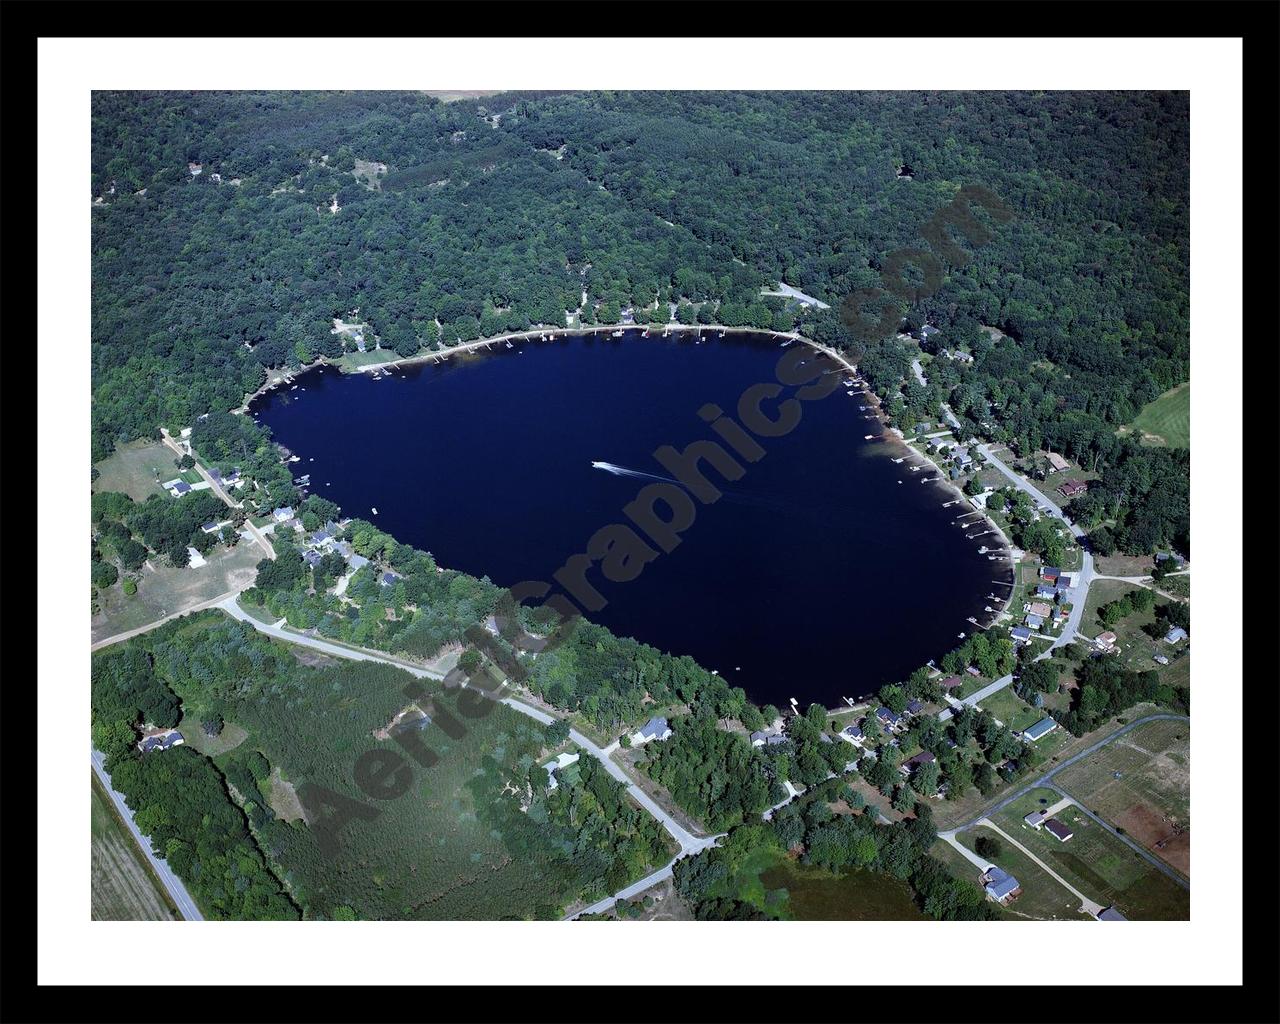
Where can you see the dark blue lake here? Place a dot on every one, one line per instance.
(818, 575)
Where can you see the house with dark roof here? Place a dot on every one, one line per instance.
(654, 729)
(1047, 592)
(1033, 621)
(161, 740)
(951, 683)
(909, 766)
(312, 558)
(1057, 829)
(179, 488)
(1049, 572)
(766, 738)
(388, 578)
(1041, 729)
(851, 733)
(282, 514)
(914, 707)
(1073, 488)
(1111, 914)
(887, 718)
(1000, 885)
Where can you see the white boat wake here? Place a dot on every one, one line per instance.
(609, 467)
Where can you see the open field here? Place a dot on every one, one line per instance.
(1012, 710)
(211, 746)
(1042, 898)
(133, 467)
(1102, 867)
(1141, 784)
(1135, 648)
(1167, 420)
(123, 887)
(163, 590)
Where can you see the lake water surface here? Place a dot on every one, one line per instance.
(818, 576)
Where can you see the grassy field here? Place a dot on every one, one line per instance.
(1102, 867)
(132, 469)
(163, 590)
(1136, 649)
(1141, 783)
(1042, 898)
(123, 887)
(1167, 420)
(1011, 709)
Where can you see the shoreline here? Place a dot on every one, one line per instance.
(533, 334)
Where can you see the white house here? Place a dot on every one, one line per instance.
(196, 559)
(654, 729)
(561, 761)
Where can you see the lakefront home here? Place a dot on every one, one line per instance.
(654, 729)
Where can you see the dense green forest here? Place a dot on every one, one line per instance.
(499, 213)
(478, 834)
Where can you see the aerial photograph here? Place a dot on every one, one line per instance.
(648, 505)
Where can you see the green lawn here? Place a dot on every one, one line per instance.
(1102, 866)
(133, 469)
(1042, 898)
(1167, 420)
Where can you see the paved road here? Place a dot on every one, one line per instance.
(218, 601)
(1084, 577)
(172, 883)
(1045, 781)
(226, 498)
(689, 843)
(625, 894)
(1041, 781)
(1091, 907)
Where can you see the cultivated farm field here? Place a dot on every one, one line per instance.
(123, 887)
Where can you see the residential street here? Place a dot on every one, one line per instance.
(186, 905)
(689, 843)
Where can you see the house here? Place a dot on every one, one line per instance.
(1111, 914)
(1057, 462)
(962, 457)
(161, 740)
(344, 549)
(283, 514)
(357, 561)
(194, 167)
(210, 528)
(177, 487)
(1020, 633)
(851, 733)
(1034, 621)
(194, 559)
(1174, 635)
(1066, 579)
(555, 765)
(1041, 729)
(951, 683)
(1035, 819)
(1105, 641)
(1043, 610)
(1049, 572)
(912, 763)
(914, 707)
(1073, 488)
(1047, 592)
(1160, 659)
(1000, 885)
(973, 671)
(654, 729)
(1057, 829)
(928, 330)
(388, 579)
(312, 558)
(887, 718)
(1165, 556)
(767, 737)
(319, 537)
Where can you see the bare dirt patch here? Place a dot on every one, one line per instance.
(284, 800)
(1161, 835)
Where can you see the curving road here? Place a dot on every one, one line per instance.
(172, 883)
(689, 843)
